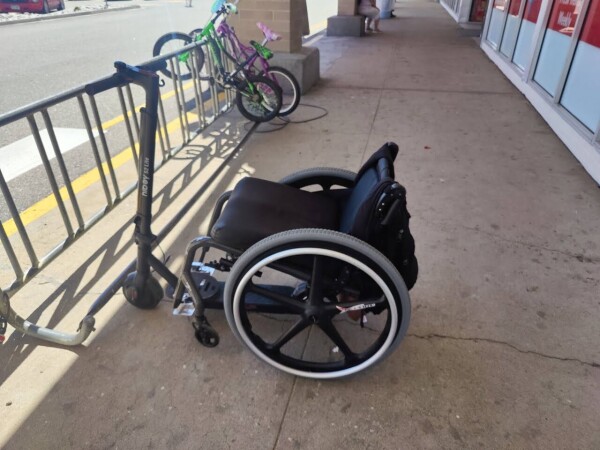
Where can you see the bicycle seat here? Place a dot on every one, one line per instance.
(270, 35)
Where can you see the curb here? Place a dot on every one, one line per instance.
(73, 14)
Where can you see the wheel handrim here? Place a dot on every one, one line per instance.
(271, 353)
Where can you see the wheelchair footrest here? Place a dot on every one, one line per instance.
(211, 292)
(210, 289)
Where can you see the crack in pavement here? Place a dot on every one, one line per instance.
(507, 344)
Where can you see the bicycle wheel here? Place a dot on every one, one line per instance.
(258, 98)
(171, 42)
(290, 89)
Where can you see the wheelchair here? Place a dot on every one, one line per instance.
(313, 271)
(318, 268)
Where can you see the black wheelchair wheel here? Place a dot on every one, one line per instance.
(258, 98)
(171, 42)
(299, 299)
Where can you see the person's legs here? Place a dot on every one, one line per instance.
(376, 24)
(368, 24)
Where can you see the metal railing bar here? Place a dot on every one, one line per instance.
(128, 126)
(50, 174)
(198, 93)
(181, 93)
(12, 257)
(161, 109)
(175, 88)
(134, 116)
(104, 144)
(63, 168)
(10, 203)
(159, 132)
(213, 88)
(88, 127)
(23, 112)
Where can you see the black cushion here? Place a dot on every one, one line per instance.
(259, 208)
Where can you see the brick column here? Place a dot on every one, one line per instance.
(288, 18)
(346, 23)
(276, 14)
(347, 7)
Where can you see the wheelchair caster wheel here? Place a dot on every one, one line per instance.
(207, 336)
(146, 298)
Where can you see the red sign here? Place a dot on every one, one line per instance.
(515, 6)
(591, 28)
(564, 16)
(532, 10)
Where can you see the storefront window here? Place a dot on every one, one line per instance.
(555, 46)
(478, 9)
(496, 23)
(530, 18)
(511, 29)
(581, 96)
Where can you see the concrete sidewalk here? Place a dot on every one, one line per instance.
(503, 350)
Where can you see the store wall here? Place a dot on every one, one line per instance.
(550, 49)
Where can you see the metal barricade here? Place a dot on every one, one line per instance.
(174, 118)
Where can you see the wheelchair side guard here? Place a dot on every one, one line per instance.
(323, 306)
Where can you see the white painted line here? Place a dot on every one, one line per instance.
(22, 155)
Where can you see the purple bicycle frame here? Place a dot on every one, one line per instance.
(241, 51)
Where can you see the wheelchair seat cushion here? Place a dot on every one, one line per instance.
(259, 208)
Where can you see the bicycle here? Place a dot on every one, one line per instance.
(254, 57)
(258, 98)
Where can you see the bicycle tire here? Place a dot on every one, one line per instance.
(270, 110)
(185, 39)
(291, 100)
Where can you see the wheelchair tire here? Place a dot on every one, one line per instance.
(294, 350)
(326, 177)
(262, 105)
(170, 42)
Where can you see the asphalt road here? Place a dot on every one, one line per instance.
(41, 59)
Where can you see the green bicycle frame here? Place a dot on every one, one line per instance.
(215, 47)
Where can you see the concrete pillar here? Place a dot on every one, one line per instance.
(346, 23)
(288, 18)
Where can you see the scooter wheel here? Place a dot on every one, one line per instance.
(207, 336)
(146, 298)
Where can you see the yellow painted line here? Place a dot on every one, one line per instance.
(314, 28)
(47, 204)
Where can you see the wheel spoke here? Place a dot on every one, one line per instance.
(316, 282)
(333, 334)
(295, 305)
(294, 330)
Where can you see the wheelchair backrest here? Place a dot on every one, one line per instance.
(375, 211)
(359, 211)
